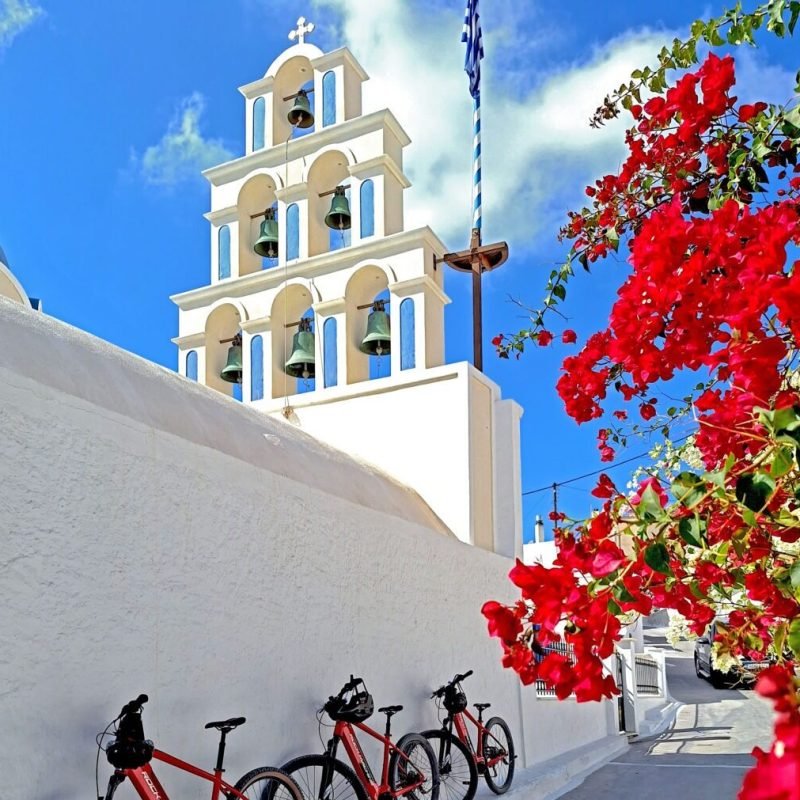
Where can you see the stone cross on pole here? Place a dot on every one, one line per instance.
(302, 30)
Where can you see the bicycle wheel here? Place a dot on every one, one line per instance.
(458, 774)
(267, 783)
(323, 778)
(414, 762)
(498, 747)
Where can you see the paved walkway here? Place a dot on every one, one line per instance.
(702, 757)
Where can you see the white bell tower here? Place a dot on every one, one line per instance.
(441, 429)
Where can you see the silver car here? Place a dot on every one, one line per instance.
(745, 673)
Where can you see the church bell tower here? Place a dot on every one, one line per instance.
(323, 309)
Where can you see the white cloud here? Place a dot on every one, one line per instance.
(182, 152)
(15, 16)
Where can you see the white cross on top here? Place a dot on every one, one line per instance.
(302, 30)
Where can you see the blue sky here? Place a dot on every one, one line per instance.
(110, 111)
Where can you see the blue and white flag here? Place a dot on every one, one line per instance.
(473, 36)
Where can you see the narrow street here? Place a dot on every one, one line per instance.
(702, 756)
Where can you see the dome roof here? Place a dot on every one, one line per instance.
(3, 259)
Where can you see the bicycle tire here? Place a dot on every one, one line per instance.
(490, 742)
(457, 780)
(303, 770)
(419, 761)
(263, 783)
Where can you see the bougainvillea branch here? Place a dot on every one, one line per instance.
(707, 203)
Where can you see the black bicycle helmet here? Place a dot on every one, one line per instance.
(357, 708)
(455, 700)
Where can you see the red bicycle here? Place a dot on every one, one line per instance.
(130, 754)
(408, 770)
(460, 763)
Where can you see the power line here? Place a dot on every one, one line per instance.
(552, 486)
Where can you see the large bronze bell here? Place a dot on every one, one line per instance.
(300, 114)
(339, 217)
(301, 361)
(232, 371)
(378, 339)
(267, 243)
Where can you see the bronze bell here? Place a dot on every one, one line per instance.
(232, 371)
(300, 114)
(377, 341)
(301, 361)
(339, 217)
(267, 243)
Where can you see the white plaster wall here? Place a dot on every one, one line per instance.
(158, 537)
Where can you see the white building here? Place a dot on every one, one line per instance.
(10, 287)
(441, 429)
(158, 537)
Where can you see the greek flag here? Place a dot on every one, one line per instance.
(473, 36)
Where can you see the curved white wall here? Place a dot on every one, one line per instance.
(158, 537)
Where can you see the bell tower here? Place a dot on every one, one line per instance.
(322, 308)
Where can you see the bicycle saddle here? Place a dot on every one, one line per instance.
(389, 710)
(482, 706)
(227, 725)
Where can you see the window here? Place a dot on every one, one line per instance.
(292, 232)
(191, 365)
(224, 253)
(328, 99)
(256, 368)
(407, 335)
(367, 209)
(259, 120)
(330, 359)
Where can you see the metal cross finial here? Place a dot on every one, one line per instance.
(302, 30)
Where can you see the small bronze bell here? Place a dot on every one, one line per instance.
(300, 114)
(232, 371)
(377, 341)
(267, 243)
(339, 217)
(301, 361)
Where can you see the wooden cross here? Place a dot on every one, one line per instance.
(302, 30)
(478, 259)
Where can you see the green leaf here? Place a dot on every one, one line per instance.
(754, 490)
(560, 291)
(656, 557)
(688, 489)
(692, 530)
(782, 462)
(649, 507)
(794, 574)
(613, 608)
(793, 638)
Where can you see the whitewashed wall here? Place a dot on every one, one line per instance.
(158, 537)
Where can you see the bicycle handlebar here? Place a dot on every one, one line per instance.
(134, 705)
(456, 679)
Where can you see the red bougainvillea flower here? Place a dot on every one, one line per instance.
(569, 337)
(605, 487)
(544, 338)
(498, 340)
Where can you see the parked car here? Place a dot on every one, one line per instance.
(744, 673)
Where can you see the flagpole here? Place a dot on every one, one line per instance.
(479, 258)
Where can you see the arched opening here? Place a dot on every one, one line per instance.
(330, 170)
(257, 195)
(367, 198)
(222, 325)
(295, 74)
(290, 305)
(191, 365)
(259, 122)
(292, 232)
(256, 368)
(328, 99)
(224, 252)
(365, 287)
(408, 358)
(330, 353)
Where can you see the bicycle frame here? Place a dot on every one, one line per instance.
(457, 721)
(148, 786)
(375, 791)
